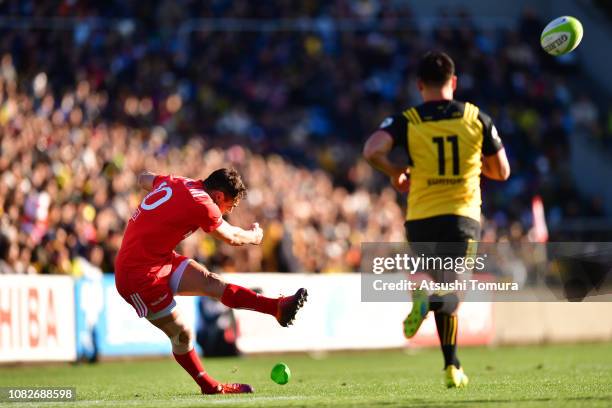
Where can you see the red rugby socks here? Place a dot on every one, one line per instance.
(238, 297)
(191, 363)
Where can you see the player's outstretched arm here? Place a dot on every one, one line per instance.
(237, 236)
(496, 166)
(376, 151)
(146, 179)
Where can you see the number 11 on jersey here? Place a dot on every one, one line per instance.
(454, 141)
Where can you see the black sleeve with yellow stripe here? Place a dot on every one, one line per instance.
(397, 127)
(491, 142)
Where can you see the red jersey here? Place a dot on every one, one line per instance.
(174, 209)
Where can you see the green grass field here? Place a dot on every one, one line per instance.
(550, 376)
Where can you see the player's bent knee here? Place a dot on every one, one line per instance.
(182, 342)
(445, 304)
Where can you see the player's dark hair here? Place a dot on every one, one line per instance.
(435, 68)
(228, 181)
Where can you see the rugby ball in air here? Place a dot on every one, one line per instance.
(562, 35)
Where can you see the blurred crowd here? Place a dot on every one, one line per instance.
(69, 185)
(84, 110)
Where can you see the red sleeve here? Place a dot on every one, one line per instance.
(208, 215)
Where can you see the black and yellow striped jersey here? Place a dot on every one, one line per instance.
(444, 141)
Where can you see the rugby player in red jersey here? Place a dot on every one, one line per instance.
(148, 273)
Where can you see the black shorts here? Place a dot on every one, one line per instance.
(443, 236)
(443, 228)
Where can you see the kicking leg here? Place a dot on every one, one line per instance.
(181, 338)
(196, 280)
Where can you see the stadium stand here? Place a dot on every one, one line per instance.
(123, 88)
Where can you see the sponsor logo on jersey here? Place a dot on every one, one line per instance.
(157, 302)
(387, 122)
(495, 134)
